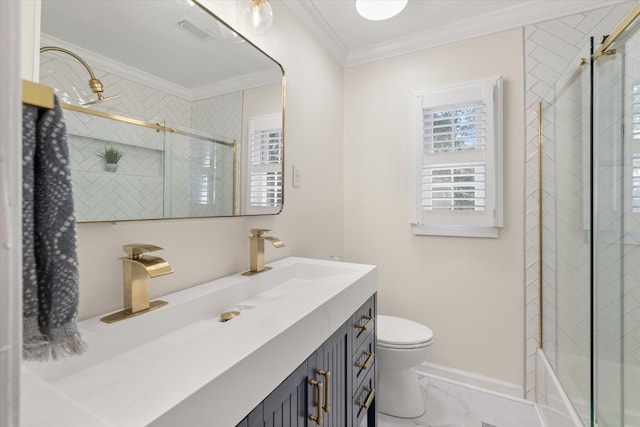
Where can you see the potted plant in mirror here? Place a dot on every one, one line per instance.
(111, 156)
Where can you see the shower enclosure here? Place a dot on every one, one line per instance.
(167, 170)
(590, 230)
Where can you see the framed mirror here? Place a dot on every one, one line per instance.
(190, 112)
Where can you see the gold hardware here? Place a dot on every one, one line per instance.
(159, 127)
(611, 38)
(366, 325)
(367, 362)
(95, 85)
(372, 392)
(136, 250)
(228, 315)
(136, 271)
(256, 250)
(234, 201)
(317, 418)
(327, 390)
(610, 52)
(124, 314)
(37, 94)
(583, 61)
(540, 230)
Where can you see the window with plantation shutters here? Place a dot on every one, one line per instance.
(202, 170)
(456, 167)
(265, 163)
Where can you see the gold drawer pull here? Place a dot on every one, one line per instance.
(372, 392)
(366, 325)
(367, 362)
(327, 390)
(317, 418)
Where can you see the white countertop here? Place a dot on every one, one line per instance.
(195, 374)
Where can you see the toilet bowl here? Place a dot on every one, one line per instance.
(401, 346)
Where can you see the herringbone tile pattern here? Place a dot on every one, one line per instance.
(552, 50)
(153, 176)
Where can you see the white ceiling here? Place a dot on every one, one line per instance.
(145, 36)
(354, 40)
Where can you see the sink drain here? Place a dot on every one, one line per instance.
(228, 315)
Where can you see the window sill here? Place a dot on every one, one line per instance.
(455, 231)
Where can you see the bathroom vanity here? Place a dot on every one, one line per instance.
(180, 365)
(335, 386)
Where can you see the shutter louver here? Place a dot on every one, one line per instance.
(454, 129)
(454, 187)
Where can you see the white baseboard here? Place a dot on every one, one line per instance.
(469, 378)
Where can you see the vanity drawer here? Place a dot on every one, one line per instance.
(363, 359)
(364, 397)
(363, 322)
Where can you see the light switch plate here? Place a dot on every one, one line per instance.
(296, 176)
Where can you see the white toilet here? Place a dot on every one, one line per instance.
(401, 346)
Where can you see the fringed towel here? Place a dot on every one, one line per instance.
(50, 266)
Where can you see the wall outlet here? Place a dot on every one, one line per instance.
(296, 176)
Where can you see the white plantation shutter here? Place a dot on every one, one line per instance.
(202, 173)
(457, 160)
(265, 162)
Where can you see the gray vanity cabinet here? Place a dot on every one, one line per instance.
(285, 406)
(338, 375)
(329, 365)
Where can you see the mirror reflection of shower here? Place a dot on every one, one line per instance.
(95, 84)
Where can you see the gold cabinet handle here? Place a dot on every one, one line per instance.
(372, 392)
(366, 325)
(327, 390)
(367, 362)
(317, 418)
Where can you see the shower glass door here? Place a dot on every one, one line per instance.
(200, 174)
(590, 195)
(608, 237)
(617, 249)
(566, 234)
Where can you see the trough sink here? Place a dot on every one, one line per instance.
(181, 360)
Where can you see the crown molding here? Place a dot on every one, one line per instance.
(196, 94)
(313, 20)
(519, 15)
(118, 68)
(237, 84)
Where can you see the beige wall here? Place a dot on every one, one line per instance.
(203, 249)
(475, 311)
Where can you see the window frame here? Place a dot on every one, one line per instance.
(459, 222)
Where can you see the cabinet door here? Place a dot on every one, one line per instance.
(286, 406)
(330, 367)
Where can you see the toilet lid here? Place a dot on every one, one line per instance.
(401, 332)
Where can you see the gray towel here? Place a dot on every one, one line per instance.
(50, 266)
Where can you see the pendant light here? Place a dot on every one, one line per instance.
(258, 14)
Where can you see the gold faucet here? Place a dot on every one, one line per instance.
(137, 268)
(256, 246)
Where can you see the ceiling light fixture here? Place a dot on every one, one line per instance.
(378, 10)
(258, 14)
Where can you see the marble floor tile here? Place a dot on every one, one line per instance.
(453, 405)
